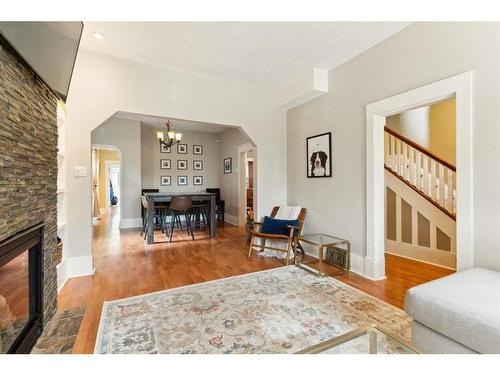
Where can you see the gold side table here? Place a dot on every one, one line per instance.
(321, 241)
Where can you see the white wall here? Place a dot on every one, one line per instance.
(419, 55)
(413, 124)
(433, 127)
(151, 156)
(230, 139)
(125, 135)
(103, 85)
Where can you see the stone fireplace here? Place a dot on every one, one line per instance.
(28, 177)
(21, 286)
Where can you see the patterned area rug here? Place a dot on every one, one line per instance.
(59, 337)
(283, 310)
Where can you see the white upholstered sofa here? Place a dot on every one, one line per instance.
(459, 313)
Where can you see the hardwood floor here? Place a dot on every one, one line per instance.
(126, 266)
(402, 274)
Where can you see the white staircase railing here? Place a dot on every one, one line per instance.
(428, 174)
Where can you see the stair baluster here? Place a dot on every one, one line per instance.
(425, 172)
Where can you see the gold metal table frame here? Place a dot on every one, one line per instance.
(323, 241)
(371, 330)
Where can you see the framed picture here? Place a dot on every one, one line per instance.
(182, 164)
(228, 165)
(164, 149)
(319, 155)
(182, 148)
(197, 149)
(198, 165)
(182, 180)
(165, 164)
(165, 180)
(197, 180)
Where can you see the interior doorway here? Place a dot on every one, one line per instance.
(246, 186)
(460, 87)
(106, 177)
(420, 184)
(112, 182)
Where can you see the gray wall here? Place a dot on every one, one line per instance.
(419, 55)
(230, 139)
(151, 155)
(102, 85)
(140, 160)
(126, 136)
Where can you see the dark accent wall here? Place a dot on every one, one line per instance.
(28, 161)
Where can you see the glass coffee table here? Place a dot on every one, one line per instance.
(341, 253)
(366, 340)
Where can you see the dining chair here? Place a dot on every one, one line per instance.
(180, 206)
(158, 216)
(144, 209)
(201, 210)
(220, 205)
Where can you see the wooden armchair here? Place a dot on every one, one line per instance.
(291, 239)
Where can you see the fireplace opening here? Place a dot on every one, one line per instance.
(21, 303)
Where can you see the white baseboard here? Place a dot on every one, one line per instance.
(61, 275)
(370, 270)
(357, 262)
(135, 222)
(73, 267)
(233, 220)
(80, 266)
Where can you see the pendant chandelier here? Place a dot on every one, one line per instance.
(172, 136)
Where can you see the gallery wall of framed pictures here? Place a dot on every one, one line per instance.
(190, 164)
(179, 169)
(205, 159)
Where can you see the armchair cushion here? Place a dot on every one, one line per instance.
(277, 226)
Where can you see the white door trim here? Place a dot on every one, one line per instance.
(459, 86)
(114, 148)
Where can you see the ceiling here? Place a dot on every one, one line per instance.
(262, 54)
(177, 124)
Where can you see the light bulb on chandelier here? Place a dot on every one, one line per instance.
(172, 136)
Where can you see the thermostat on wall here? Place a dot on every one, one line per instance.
(80, 171)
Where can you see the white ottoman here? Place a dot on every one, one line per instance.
(459, 313)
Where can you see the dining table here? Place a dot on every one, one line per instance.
(162, 197)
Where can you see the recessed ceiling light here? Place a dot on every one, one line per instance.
(99, 36)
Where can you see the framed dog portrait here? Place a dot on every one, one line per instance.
(319, 155)
(165, 181)
(165, 164)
